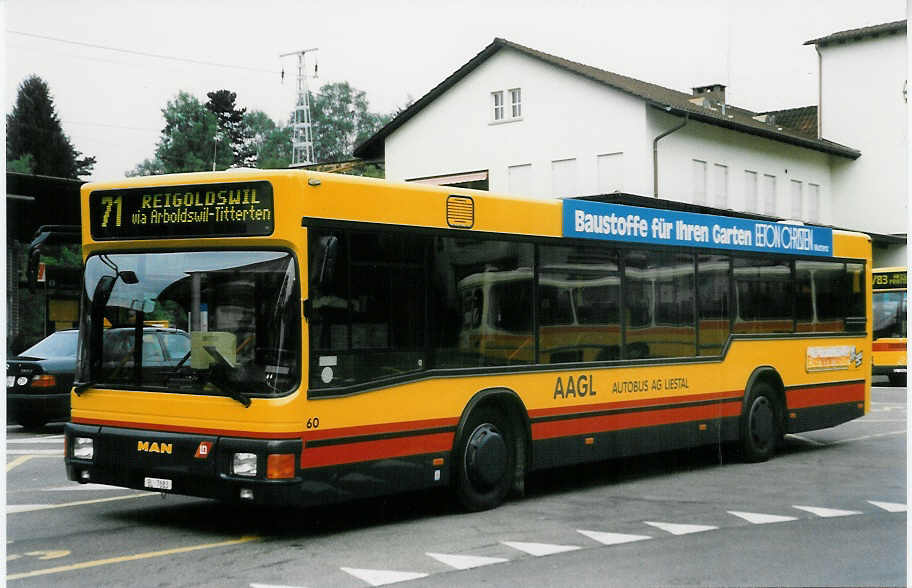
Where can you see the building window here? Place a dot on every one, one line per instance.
(610, 172)
(699, 182)
(563, 178)
(796, 199)
(498, 105)
(721, 185)
(813, 203)
(769, 194)
(519, 179)
(516, 100)
(750, 191)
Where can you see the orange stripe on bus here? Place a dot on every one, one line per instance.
(635, 420)
(313, 457)
(826, 394)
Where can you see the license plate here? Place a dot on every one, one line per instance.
(157, 483)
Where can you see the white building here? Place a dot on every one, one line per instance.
(863, 98)
(515, 120)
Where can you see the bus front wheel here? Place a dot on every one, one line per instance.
(485, 460)
(760, 430)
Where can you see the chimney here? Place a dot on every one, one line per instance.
(713, 95)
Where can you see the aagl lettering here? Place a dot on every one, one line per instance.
(578, 386)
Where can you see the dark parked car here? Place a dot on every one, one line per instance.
(39, 380)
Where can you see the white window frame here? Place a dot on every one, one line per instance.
(498, 103)
(813, 202)
(769, 196)
(699, 182)
(516, 102)
(796, 197)
(720, 171)
(751, 191)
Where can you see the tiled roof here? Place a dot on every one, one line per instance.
(802, 119)
(668, 100)
(889, 28)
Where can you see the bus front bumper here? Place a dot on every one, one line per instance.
(181, 463)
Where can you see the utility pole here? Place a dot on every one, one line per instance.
(302, 138)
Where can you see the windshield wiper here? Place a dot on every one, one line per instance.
(221, 371)
(80, 387)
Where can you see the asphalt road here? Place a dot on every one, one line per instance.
(830, 509)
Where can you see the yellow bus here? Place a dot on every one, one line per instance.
(352, 337)
(890, 323)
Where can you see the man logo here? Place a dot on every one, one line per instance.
(146, 447)
(202, 452)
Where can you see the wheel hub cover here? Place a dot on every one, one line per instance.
(486, 456)
(762, 421)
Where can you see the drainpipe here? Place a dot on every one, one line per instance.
(819, 92)
(655, 152)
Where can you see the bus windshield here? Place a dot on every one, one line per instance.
(211, 322)
(889, 314)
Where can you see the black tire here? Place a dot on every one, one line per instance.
(897, 380)
(760, 424)
(485, 460)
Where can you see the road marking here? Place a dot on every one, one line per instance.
(56, 439)
(679, 529)
(17, 508)
(891, 506)
(540, 549)
(465, 562)
(761, 519)
(612, 538)
(827, 512)
(52, 452)
(841, 441)
(874, 436)
(382, 577)
(49, 554)
(18, 461)
(807, 440)
(76, 486)
(273, 586)
(126, 558)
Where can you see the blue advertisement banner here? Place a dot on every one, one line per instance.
(632, 224)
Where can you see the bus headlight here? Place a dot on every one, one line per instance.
(244, 464)
(83, 448)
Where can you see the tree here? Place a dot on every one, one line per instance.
(271, 143)
(340, 119)
(189, 142)
(231, 126)
(35, 141)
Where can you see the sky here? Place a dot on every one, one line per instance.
(103, 59)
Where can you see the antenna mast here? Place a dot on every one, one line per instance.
(302, 138)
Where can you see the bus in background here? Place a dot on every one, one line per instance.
(352, 337)
(890, 323)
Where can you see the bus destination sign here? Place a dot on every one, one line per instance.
(891, 280)
(236, 209)
(617, 222)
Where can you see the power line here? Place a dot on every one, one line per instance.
(142, 53)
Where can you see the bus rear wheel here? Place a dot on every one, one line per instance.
(760, 430)
(485, 460)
